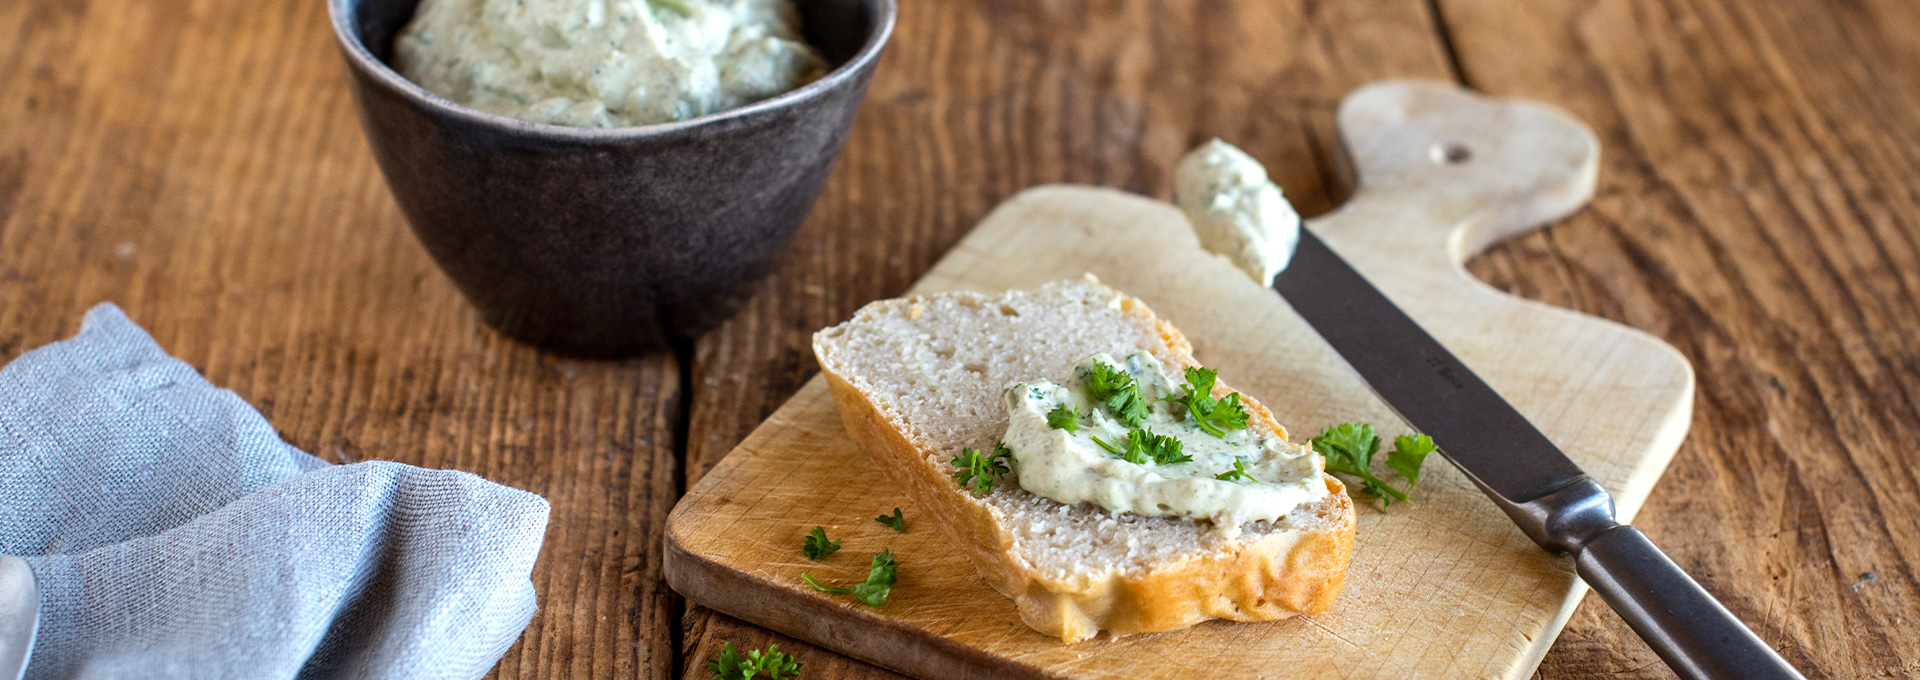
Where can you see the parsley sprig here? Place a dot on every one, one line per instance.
(730, 664)
(1409, 452)
(1211, 415)
(1118, 391)
(1144, 445)
(817, 545)
(977, 472)
(1239, 472)
(896, 521)
(1064, 417)
(1349, 449)
(882, 573)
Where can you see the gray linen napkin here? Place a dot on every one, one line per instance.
(174, 535)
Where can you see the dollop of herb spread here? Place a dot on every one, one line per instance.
(606, 63)
(1120, 434)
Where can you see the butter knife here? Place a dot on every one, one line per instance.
(1529, 478)
(19, 616)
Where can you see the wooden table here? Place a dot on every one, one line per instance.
(198, 162)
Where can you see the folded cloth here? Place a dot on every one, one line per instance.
(174, 535)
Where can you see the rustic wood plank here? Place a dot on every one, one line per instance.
(1757, 209)
(199, 163)
(1474, 599)
(976, 101)
(715, 629)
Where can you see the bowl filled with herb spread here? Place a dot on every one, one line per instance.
(599, 177)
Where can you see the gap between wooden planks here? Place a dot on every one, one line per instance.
(1474, 598)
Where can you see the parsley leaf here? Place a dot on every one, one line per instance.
(1119, 391)
(1064, 417)
(895, 520)
(1349, 449)
(1409, 451)
(729, 664)
(1143, 446)
(1135, 453)
(976, 471)
(1239, 471)
(1213, 416)
(1128, 407)
(881, 575)
(817, 545)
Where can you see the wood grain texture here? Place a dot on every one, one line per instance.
(199, 164)
(197, 161)
(1757, 208)
(1443, 587)
(975, 101)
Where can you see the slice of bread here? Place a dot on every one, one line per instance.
(916, 379)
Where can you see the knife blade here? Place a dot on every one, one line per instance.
(19, 616)
(1520, 469)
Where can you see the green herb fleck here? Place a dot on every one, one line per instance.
(1213, 416)
(977, 472)
(817, 545)
(1143, 446)
(729, 664)
(1239, 471)
(1119, 391)
(1064, 417)
(1349, 449)
(881, 575)
(895, 520)
(1409, 452)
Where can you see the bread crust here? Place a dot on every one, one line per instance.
(1274, 576)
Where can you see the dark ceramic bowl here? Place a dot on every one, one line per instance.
(608, 241)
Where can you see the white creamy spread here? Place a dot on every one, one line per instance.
(1236, 211)
(606, 63)
(1070, 467)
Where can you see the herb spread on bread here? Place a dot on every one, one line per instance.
(1139, 443)
(919, 380)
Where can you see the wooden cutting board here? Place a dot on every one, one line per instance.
(1441, 587)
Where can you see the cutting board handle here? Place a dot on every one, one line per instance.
(1614, 398)
(1442, 173)
(1473, 169)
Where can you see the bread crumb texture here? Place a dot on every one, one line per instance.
(918, 379)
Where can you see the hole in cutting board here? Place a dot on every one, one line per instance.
(1450, 153)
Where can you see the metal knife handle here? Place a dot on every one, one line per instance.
(1685, 625)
